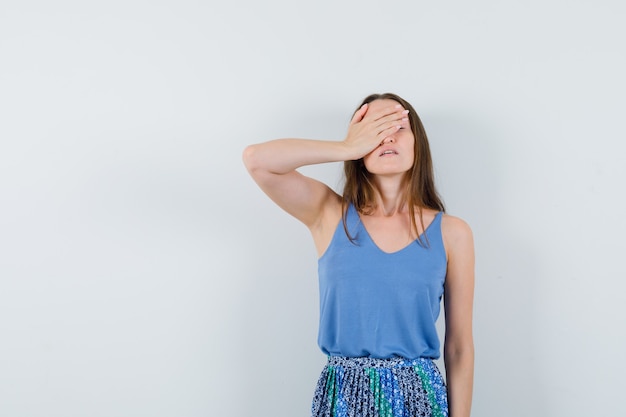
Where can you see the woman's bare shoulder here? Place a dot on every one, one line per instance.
(454, 223)
(455, 230)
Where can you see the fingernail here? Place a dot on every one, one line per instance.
(405, 112)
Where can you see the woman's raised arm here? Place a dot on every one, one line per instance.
(273, 164)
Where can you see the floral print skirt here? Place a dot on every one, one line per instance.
(369, 387)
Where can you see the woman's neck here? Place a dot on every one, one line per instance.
(390, 197)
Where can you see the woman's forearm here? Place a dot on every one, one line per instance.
(460, 381)
(281, 156)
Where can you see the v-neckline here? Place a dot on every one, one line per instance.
(369, 236)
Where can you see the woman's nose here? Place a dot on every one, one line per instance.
(388, 139)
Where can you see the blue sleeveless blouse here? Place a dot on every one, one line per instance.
(378, 304)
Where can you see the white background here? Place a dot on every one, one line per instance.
(142, 273)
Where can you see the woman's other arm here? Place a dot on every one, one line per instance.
(458, 303)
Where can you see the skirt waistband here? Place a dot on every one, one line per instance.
(367, 362)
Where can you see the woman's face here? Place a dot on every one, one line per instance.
(395, 155)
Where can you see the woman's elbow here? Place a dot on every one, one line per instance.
(250, 159)
(459, 350)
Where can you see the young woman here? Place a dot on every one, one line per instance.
(387, 256)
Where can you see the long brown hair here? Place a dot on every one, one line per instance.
(419, 181)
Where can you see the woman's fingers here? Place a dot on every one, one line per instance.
(388, 113)
(359, 114)
(380, 119)
(394, 123)
(389, 121)
(390, 130)
(397, 116)
(382, 115)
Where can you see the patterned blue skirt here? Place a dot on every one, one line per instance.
(368, 387)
